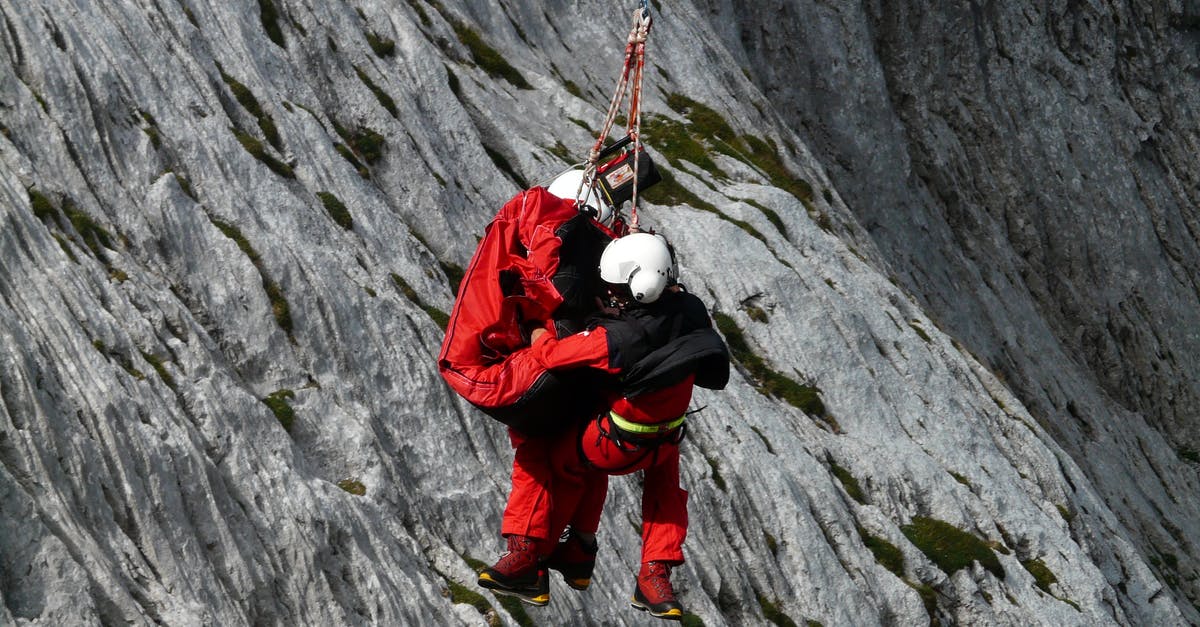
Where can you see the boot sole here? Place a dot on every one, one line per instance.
(531, 597)
(671, 614)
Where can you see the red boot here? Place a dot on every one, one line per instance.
(654, 593)
(519, 573)
(575, 558)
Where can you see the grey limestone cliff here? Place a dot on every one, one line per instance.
(954, 249)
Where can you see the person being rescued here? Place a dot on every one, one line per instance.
(652, 343)
(535, 263)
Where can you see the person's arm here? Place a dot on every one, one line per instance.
(588, 349)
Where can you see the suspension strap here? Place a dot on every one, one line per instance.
(635, 61)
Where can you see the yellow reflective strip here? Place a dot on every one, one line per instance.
(637, 427)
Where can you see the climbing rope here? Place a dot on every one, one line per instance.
(635, 62)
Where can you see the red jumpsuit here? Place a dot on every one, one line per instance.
(582, 459)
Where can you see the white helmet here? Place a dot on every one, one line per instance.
(642, 261)
(567, 185)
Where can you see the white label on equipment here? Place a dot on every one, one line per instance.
(620, 176)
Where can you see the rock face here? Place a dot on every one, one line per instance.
(230, 232)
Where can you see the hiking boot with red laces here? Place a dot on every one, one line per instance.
(575, 558)
(654, 593)
(518, 573)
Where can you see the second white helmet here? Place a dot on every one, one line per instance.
(567, 185)
(643, 262)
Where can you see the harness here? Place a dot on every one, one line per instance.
(629, 441)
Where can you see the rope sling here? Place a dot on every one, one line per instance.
(635, 62)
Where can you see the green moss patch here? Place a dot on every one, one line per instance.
(43, 207)
(678, 143)
(691, 620)
(765, 441)
(887, 554)
(770, 215)
(349, 155)
(756, 313)
(353, 486)
(928, 598)
(383, 47)
(848, 482)
(772, 543)
(258, 151)
(66, 248)
(279, 305)
(151, 129)
(670, 192)
(127, 365)
(771, 612)
(454, 274)
(961, 479)
(706, 131)
(186, 185)
(765, 379)
(716, 473)
(160, 367)
(951, 548)
(437, 315)
(250, 103)
(269, 15)
(337, 210)
(93, 235)
(366, 143)
(1042, 575)
(277, 401)
(382, 96)
(460, 594)
(503, 164)
(486, 57)
(916, 326)
(561, 151)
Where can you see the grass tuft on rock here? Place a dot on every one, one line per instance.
(151, 129)
(437, 315)
(716, 473)
(337, 210)
(382, 96)
(705, 131)
(277, 402)
(94, 236)
(1042, 575)
(43, 207)
(160, 367)
(848, 481)
(765, 379)
(505, 166)
(383, 47)
(269, 15)
(487, 57)
(258, 151)
(365, 142)
(250, 103)
(887, 554)
(460, 594)
(670, 192)
(771, 612)
(279, 305)
(353, 486)
(949, 547)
